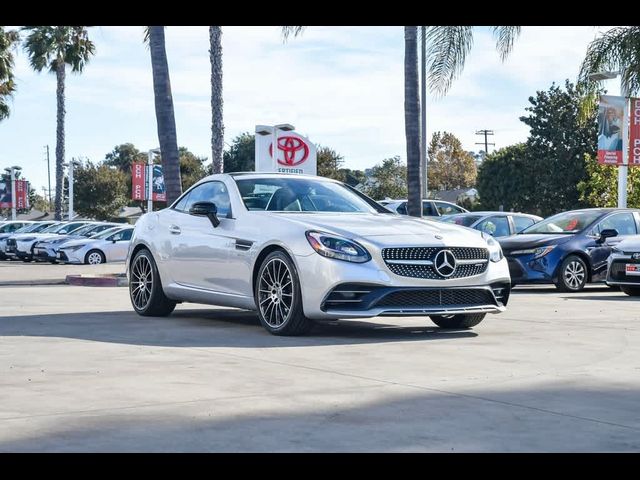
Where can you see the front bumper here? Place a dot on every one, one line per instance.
(390, 294)
(46, 254)
(69, 256)
(527, 269)
(616, 270)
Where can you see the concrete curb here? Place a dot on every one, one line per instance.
(97, 280)
(50, 281)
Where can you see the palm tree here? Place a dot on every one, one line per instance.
(217, 125)
(412, 121)
(53, 48)
(8, 40)
(616, 49)
(165, 118)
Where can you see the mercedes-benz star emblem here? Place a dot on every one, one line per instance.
(445, 263)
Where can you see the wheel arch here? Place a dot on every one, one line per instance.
(583, 256)
(273, 247)
(95, 249)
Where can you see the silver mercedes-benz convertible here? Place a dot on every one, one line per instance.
(298, 249)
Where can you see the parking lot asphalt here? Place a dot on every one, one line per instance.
(81, 372)
(38, 273)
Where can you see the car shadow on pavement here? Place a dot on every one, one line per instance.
(617, 298)
(552, 289)
(211, 328)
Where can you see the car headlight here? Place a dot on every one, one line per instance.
(536, 252)
(495, 250)
(73, 248)
(340, 248)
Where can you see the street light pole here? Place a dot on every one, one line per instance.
(622, 169)
(71, 164)
(150, 154)
(12, 172)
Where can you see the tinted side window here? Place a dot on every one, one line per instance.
(428, 210)
(495, 226)
(402, 209)
(624, 223)
(447, 209)
(215, 192)
(180, 206)
(520, 223)
(126, 235)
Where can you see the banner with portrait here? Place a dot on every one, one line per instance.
(610, 129)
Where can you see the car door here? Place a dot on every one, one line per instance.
(116, 250)
(200, 253)
(624, 223)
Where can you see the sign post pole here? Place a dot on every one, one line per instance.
(13, 193)
(150, 181)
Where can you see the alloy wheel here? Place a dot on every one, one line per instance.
(275, 293)
(94, 258)
(574, 274)
(141, 284)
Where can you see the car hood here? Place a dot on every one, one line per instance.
(522, 241)
(59, 238)
(387, 229)
(38, 236)
(631, 244)
(80, 241)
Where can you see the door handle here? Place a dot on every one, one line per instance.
(174, 229)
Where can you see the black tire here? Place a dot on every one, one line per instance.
(631, 291)
(94, 254)
(148, 301)
(459, 321)
(572, 275)
(276, 315)
(26, 260)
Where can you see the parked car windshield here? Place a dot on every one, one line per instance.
(104, 234)
(464, 220)
(299, 195)
(566, 222)
(34, 228)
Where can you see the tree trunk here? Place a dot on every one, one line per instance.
(60, 77)
(164, 114)
(217, 125)
(412, 121)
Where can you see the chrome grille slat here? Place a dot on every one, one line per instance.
(417, 262)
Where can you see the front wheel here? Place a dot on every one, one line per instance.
(458, 321)
(573, 274)
(94, 257)
(631, 291)
(278, 297)
(145, 289)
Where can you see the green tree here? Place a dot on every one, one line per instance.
(122, 156)
(8, 41)
(600, 188)
(353, 177)
(54, 48)
(617, 49)
(241, 155)
(100, 191)
(450, 166)
(330, 164)
(192, 168)
(165, 117)
(507, 179)
(217, 124)
(388, 179)
(556, 148)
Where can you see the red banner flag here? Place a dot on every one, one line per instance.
(21, 194)
(138, 181)
(634, 133)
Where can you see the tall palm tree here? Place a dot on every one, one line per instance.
(217, 125)
(412, 121)
(54, 48)
(165, 117)
(8, 41)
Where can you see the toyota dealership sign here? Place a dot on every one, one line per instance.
(295, 154)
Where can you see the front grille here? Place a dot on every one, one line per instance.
(11, 245)
(437, 297)
(618, 271)
(515, 269)
(408, 254)
(63, 257)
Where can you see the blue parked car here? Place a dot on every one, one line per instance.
(568, 249)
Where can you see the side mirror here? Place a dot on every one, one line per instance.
(607, 233)
(206, 209)
(113, 241)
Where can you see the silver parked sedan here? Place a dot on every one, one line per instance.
(624, 266)
(300, 248)
(110, 245)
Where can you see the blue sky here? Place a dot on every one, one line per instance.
(341, 86)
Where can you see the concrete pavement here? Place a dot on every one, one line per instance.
(81, 372)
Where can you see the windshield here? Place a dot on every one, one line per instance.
(84, 230)
(567, 222)
(106, 233)
(54, 228)
(464, 220)
(300, 195)
(93, 231)
(34, 228)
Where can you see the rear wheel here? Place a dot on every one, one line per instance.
(573, 274)
(145, 289)
(631, 291)
(458, 321)
(278, 297)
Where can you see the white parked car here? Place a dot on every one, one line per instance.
(299, 248)
(47, 249)
(623, 266)
(109, 246)
(20, 242)
(430, 208)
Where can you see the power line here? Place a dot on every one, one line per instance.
(486, 143)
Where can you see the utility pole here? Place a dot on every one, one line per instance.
(49, 175)
(423, 115)
(486, 142)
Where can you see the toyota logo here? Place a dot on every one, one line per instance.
(445, 263)
(636, 256)
(295, 151)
